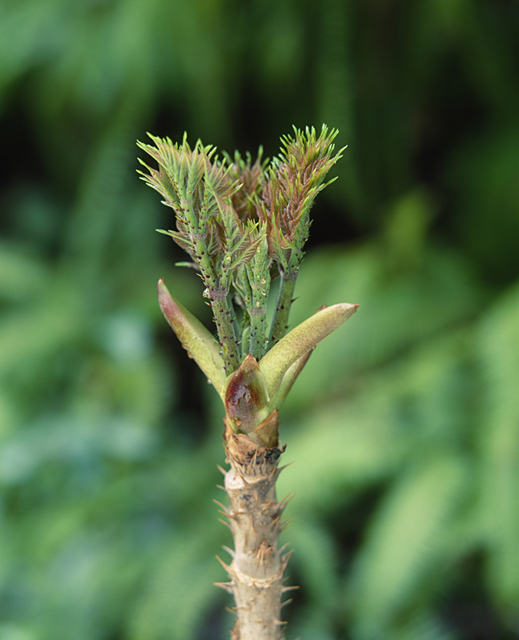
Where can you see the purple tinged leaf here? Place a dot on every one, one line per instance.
(246, 396)
(195, 338)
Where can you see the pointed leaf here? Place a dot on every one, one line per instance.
(289, 378)
(276, 362)
(195, 338)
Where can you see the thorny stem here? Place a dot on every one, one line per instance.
(257, 332)
(258, 276)
(221, 307)
(242, 225)
(287, 284)
(224, 320)
(258, 564)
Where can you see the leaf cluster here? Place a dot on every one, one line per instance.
(295, 178)
(199, 190)
(242, 223)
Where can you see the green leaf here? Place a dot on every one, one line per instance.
(195, 338)
(406, 542)
(498, 342)
(289, 378)
(276, 362)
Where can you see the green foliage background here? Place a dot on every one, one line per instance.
(404, 427)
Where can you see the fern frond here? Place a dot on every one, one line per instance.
(406, 542)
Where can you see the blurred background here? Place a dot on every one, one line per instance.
(403, 428)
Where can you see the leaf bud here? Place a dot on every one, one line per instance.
(246, 397)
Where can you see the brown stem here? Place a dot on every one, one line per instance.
(256, 572)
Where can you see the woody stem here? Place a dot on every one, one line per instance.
(258, 565)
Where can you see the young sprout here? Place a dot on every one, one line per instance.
(243, 224)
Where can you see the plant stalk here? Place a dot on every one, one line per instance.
(224, 320)
(258, 565)
(279, 328)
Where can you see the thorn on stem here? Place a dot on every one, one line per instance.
(247, 484)
(280, 469)
(225, 566)
(266, 507)
(225, 523)
(283, 503)
(285, 559)
(285, 589)
(284, 547)
(226, 586)
(285, 524)
(279, 623)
